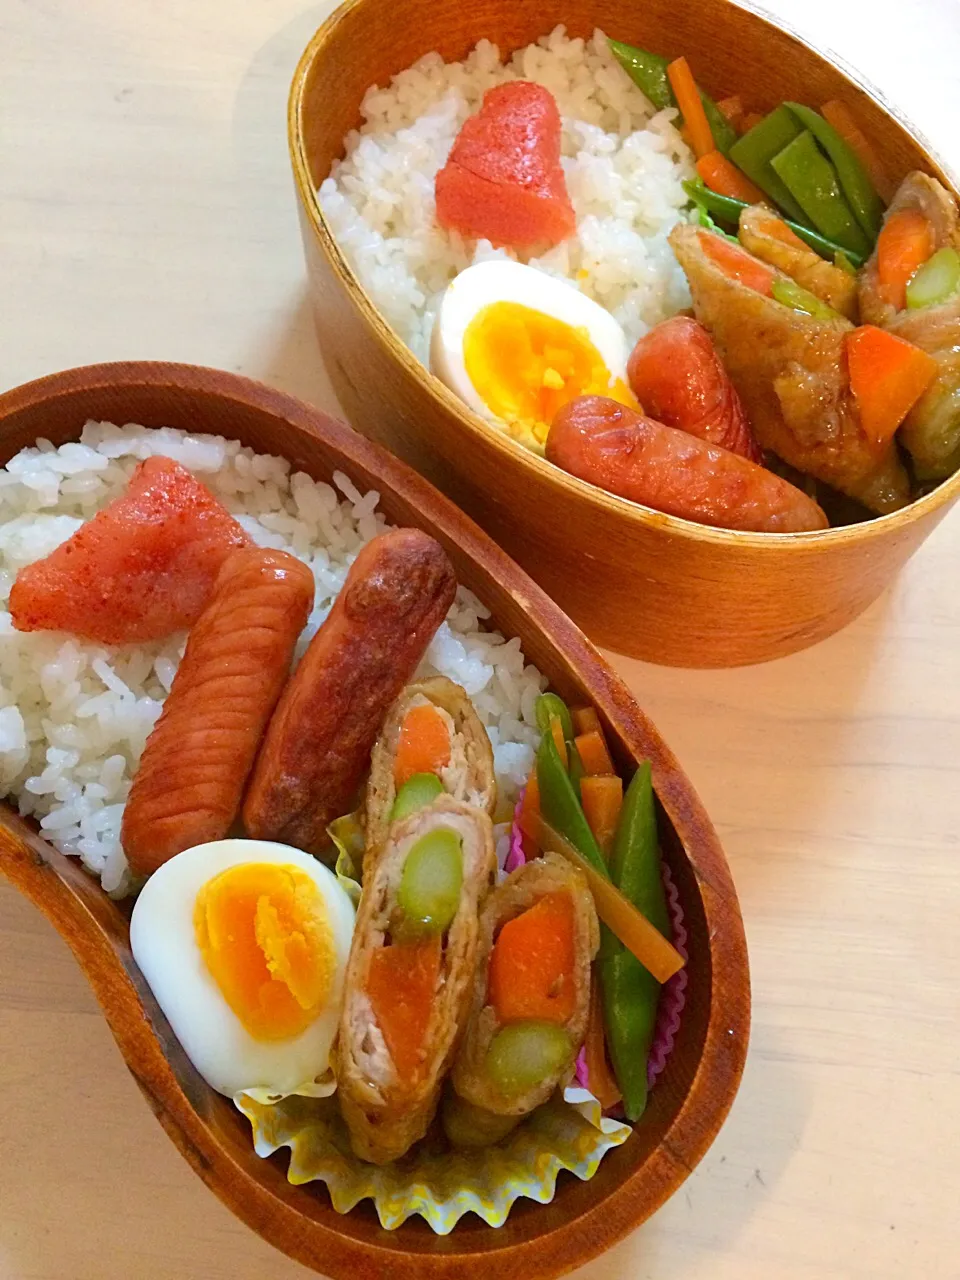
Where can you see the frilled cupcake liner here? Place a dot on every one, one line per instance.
(569, 1133)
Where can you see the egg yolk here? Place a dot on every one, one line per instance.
(525, 365)
(265, 936)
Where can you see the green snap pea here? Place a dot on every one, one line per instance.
(575, 768)
(630, 993)
(854, 180)
(429, 891)
(797, 298)
(936, 281)
(559, 804)
(754, 152)
(728, 210)
(649, 72)
(812, 181)
(548, 706)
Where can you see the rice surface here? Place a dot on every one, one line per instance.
(624, 163)
(74, 715)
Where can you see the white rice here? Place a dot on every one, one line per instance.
(74, 715)
(623, 161)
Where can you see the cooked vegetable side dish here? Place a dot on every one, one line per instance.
(521, 223)
(404, 924)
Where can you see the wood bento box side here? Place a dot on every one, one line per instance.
(701, 1079)
(645, 584)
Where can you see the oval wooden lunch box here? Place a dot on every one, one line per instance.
(702, 1075)
(643, 583)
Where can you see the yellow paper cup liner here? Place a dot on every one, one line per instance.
(441, 1185)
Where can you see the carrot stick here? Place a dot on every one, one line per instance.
(423, 745)
(726, 179)
(585, 719)
(601, 796)
(691, 108)
(839, 115)
(903, 246)
(732, 108)
(593, 752)
(556, 728)
(600, 1079)
(737, 264)
(748, 121)
(642, 939)
(530, 809)
(887, 376)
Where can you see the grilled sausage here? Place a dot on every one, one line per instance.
(318, 745)
(619, 450)
(194, 767)
(676, 374)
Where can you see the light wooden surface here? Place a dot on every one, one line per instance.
(146, 210)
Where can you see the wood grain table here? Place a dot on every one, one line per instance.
(146, 210)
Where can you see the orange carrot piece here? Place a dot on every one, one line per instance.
(531, 973)
(601, 796)
(600, 1079)
(903, 246)
(691, 108)
(777, 229)
(732, 109)
(401, 986)
(585, 719)
(887, 376)
(726, 179)
(556, 728)
(737, 264)
(592, 749)
(748, 121)
(839, 115)
(530, 811)
(423, 745)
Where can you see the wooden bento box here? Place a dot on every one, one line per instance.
(637, 581)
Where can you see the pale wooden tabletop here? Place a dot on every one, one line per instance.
(146, 210)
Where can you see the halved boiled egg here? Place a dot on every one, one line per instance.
(244, 944)
(516, 345)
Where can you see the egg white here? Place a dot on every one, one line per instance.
(165, 948)
(503, 280)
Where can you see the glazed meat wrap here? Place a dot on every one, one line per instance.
(790, 370)
(410, 975)
(924, 209)
(432, 743)
(769, 238)
(531, 991)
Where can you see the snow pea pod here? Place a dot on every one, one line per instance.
(854, 180)
(561, 808)
(648, 71)
(549, 705)
(754, 152)
(729, 210)
(631, 994)
(812, 181)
